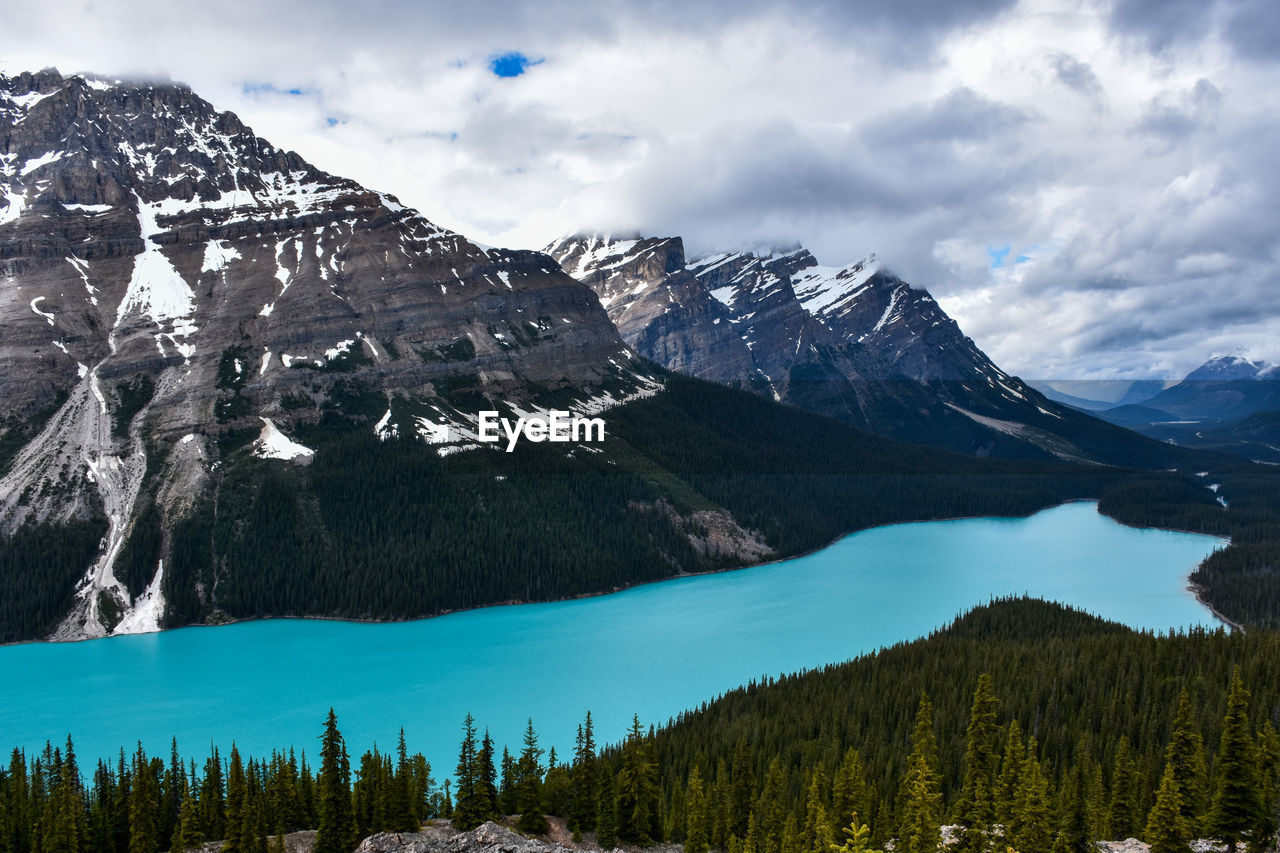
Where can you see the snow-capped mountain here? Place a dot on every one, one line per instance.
(854, 342)
(1233, 367)
(166, 276)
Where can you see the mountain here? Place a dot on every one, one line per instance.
(1229, 368)
(854, 342)
(170, 278)
(238, 386)
(1204, 409)
(1094, 395)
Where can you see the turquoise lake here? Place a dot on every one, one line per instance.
(652, 650)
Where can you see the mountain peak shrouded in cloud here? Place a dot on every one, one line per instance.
(1131, 136)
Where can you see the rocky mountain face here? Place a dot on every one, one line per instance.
(856, 342)
(166, 276)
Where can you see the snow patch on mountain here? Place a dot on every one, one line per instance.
(271, 443)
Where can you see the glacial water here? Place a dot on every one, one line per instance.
(652, 650)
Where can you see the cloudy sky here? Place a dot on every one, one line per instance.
(1090, 188)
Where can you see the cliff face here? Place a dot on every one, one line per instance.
(167, 276)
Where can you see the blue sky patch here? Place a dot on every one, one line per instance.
(257, 87)
(997, 255)
(511, 64)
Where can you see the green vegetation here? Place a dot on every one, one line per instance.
(132, 396)
(1042, 729)
(39, 567)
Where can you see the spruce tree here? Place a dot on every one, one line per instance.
(529, 785)
(1033, 822)
(696, 816)
(400, 812)
(849, 795)
(1236, 808)
(144, 806)
(1166, 830)
(66, 828)
(1269, 774)
(771, 809)
(815, 835)
(469, 801)
(857, 839)
(237, 792)
(1015, 755)
(1122, 812)
(1073, 816)
(488, 778)
(975, 808)
(190, 832)
(507, 793)
(335, 829)
(639, 818)
(741, 784)
(919, 828)
(583, 778)
(1185, 755)
(607, 814)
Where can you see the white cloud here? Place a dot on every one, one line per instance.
(1126, 152)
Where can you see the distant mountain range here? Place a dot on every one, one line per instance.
(1229, 404)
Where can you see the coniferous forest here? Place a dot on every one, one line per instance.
(1022, 726)
(389, 529)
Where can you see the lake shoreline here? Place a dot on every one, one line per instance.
(1192, 587)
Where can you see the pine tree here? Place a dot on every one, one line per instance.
(507, 793)
(1166, 830)
(696, 817)
(190, 832)
(335, 829)
(919, 828)
(1236, 806)
(1032, 827)
(529, 785)
(488, 778)
(1015, 755)
(67, 828)
(1185, 754)
(583, 778)
(849, 795)
(770, 809)
(144, 805)
(1073, 826)
(237, 791)
(975, 808)
(815, 835)
(468, 804)
(741, 783)
(857, 839)
(1269, 773)
(213, 797)
(400, 811)
(639, 818)
(1122, 812)
(607, 814)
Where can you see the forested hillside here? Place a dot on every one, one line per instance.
(1023, 722)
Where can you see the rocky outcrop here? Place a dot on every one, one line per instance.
(489, 837)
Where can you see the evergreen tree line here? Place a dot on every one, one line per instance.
(1023, 726)
(1040, 729)
(387, 529)
(379, 529)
